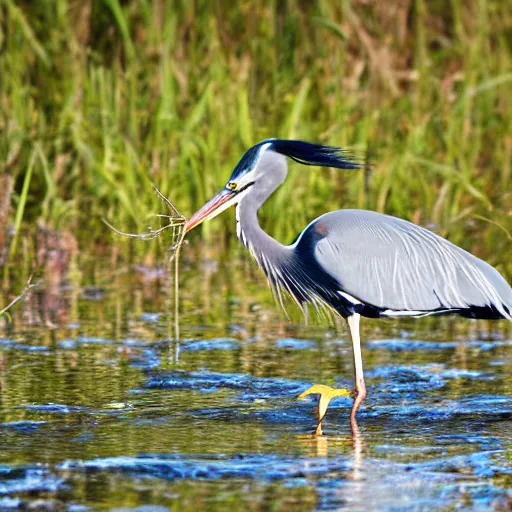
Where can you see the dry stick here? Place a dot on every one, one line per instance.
(150, 235)
(176, 222)
(28, 287)
(175, 255)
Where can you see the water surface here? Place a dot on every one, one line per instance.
(101, 409)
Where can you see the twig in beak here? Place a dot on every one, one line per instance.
(177, 223)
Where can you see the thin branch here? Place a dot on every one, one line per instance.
(177, 224)
(150, 235)
(28, 287)
(177, 214)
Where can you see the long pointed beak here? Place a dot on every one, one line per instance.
(217, 204)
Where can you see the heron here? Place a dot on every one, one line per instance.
(354, 262)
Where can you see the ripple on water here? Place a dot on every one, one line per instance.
(295, 344)
(22, 426)
(415, 378)
(484, 464)
(150, 317)
(403, 345)
(214, 467)
(212, 344)
(479, 407)
(406, 379)
(67, 344)
(56, 408)
(400, 345)
(27, 479)
(31, 348)
(252, 387)
(92, 340)
(339, 481)
(147, 359)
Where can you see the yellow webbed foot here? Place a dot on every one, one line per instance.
(326, 395)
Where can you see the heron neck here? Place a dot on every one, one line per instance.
(254, 238)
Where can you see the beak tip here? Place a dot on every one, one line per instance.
(187, 227)
(212, 208)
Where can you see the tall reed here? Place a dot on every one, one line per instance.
(99, 99)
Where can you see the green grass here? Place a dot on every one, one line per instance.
(99, 98)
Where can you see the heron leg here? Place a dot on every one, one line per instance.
(353, 327)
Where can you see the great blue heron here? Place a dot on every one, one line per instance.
(355, 262)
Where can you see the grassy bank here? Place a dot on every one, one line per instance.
(101, 97)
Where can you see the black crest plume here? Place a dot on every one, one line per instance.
(315, 154)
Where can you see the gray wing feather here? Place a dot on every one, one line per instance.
(393, 264)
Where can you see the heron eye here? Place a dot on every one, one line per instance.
(232, 185)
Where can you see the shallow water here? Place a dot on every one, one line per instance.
(101, 409)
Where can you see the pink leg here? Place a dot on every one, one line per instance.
(353, 326)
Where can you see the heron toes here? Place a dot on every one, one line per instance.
(326, 395)
(320, 389)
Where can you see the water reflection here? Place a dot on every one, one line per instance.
(105, 398)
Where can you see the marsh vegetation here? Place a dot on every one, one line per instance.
(100, 406)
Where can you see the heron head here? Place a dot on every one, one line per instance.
(263, 168)
(247, 173)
